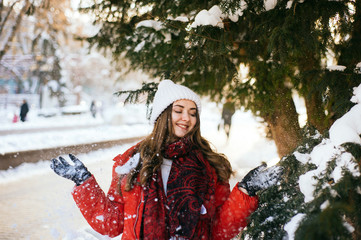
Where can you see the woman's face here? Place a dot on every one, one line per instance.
(184, 117)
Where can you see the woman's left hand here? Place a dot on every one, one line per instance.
(260, 178)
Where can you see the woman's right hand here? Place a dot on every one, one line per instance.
(77, 172)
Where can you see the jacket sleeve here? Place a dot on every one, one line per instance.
(232, 211)
(104, 213)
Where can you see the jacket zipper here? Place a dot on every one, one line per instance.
(136, 219)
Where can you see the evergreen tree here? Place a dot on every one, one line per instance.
(319, 196)
(283, 44)
(330, 215)
(347, 50)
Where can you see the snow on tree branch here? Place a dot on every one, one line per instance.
(321, 181)
(348, 128)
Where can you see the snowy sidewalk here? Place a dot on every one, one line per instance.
(61, 138)
(4, 131)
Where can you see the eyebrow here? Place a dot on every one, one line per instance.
(183, 107)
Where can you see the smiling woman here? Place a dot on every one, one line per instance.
(184, 117)
(171, 185)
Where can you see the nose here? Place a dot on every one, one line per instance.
(185, 116)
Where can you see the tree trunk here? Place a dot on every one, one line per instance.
(283, 123)
(309, 66)
(315, 112)
(14, 29)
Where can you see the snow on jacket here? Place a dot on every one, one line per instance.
(121, 211)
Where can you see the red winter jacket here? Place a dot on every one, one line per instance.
(121, 212)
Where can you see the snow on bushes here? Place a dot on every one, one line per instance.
(319, 196)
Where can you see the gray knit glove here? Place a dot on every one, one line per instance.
(77, 172)
(260, 178)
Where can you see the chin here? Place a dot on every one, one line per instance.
(181, 135)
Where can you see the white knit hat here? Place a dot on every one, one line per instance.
(169, 92)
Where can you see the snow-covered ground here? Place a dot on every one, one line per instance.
(65, 130)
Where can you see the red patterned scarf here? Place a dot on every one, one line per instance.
(177, 214)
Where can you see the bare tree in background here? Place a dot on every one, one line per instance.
(31, 34)
(10, 20)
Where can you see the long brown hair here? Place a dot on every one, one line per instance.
(151, 147)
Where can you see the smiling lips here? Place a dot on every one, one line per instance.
(182, 126)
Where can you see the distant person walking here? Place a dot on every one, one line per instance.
(24, 109)
(93, 109)
(227, 113)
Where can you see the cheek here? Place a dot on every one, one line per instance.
(174, 118)
(194, 121)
